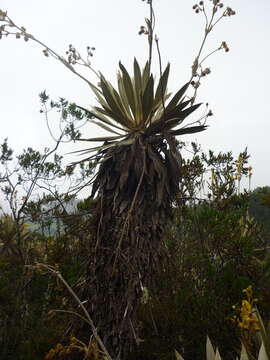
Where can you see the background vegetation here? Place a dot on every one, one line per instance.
(217, 246)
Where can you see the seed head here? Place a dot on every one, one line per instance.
(2, 15)
(45, 52)
(143, 30)
(229, 12)
(195, 84)
(224, 46)
(206, 71)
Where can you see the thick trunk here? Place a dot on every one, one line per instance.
(133, 206)
(115, 287)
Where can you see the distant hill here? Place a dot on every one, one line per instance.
(259, 206)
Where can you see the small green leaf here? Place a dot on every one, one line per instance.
(105, 127)
(190, 110)
(145, 75)
(103, 138)
(137, 76)
(123, 96)
(148, 98)
(102, 114)
(108, 92)
(177, 97)
(162, 85)
(188, 130)
(122, 104)
(99, 95)
(129, 89)
(138, 90)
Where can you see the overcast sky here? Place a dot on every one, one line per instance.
(237, 88)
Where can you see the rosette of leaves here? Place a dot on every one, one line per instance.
(135, 186)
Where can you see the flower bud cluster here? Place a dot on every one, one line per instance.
(90, 50)
(3, 15)
(217, 4)
(195, 84)
(5, 28)
(73, 55)
(143, 30)
(4, 18)
(46, 52)
(224, 46)
(205, 72)
(229, 12)
(198, 7)
(199, 75)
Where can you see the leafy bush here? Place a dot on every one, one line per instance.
(27, 297)
(215, 250)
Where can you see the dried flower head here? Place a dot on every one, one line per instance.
(143, 30)
(229, 12)
(224, 46)
(195, 84)
(3, 15)
(205, 72)
(45, 52)
(90, 50)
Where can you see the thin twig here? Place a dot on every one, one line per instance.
(48, 50)
(151, 31)
(162, 85)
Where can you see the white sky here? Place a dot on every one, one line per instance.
(237, 89)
